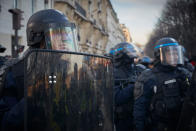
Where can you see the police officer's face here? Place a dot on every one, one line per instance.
(172, 57)
(59, 42)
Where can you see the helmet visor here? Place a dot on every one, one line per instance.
(131, 52)
(60, 38)
(171, 55)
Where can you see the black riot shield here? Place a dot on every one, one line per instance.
(68, 92)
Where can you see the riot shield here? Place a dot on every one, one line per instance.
(67, 91)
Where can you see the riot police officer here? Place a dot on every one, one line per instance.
(46, 29)
(125, 75)
(159, 92)
(50, 29)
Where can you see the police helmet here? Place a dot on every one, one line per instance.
(168, 51)
(53, 27)
(124, 52)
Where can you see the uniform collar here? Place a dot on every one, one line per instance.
(165, 68)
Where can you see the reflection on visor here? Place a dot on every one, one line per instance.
(171, 55)
(127, 48)
(60, 39)
(130, 49)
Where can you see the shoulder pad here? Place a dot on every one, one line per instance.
(185, 72)
(190, 67)
(138, 88)
(11, 61)
(145, 75)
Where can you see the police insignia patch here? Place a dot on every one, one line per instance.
(170, 81)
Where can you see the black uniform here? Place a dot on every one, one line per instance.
(12, 92)
(159, 93)
(188, 114)
(125, 75)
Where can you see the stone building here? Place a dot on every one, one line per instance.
(114, 30)
(97, 25)
(96, 22)
(126, 33)
(6, 32)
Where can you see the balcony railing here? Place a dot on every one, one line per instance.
(80, 9)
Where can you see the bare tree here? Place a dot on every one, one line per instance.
(178, 20)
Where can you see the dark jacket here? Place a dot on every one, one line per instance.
(125, 77)
(156, 92)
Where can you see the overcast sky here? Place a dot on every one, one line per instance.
(139, 16)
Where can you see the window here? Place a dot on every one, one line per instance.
(99, 6)
(78, 32)
(90, 4)
(46, 4)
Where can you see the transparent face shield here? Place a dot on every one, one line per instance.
(60, 38)
(171, 55)
(128, 50)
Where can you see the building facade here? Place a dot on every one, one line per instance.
(6, 31)
(126, 33)
(97, 25)
(114, 30)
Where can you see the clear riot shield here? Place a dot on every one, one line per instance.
(68, 92)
